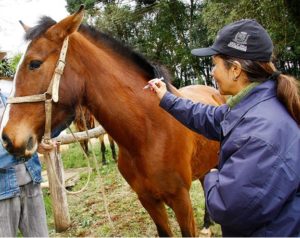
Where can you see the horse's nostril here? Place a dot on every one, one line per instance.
(6, 141)
(30, 143)
(18, 151)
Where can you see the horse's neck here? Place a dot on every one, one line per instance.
(114, 91)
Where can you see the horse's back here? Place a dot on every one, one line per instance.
(203, 94)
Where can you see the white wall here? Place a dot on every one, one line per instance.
(6, 86)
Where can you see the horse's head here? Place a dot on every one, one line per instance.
(36, 84)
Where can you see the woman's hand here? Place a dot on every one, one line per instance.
(158, 87)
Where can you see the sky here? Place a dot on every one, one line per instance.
(29, 11)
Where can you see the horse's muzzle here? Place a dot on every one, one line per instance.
(24, 151)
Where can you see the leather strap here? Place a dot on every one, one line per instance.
(32, 98)
(52, 93)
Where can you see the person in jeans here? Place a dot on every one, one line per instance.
(256, 189)
(21, 199)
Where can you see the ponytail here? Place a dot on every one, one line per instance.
(288, 92)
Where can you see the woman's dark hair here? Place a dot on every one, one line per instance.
(287, 86)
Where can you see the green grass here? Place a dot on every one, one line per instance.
(87, 209)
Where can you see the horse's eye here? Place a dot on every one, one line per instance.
(35, 64)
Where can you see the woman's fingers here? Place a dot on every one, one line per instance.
(158, 86)
(153, 86)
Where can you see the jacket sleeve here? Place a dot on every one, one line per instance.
(251, 187)
(201, 118)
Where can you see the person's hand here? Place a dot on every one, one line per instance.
(46, 147)
(158, 86)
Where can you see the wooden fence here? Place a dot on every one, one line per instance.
(57, 193)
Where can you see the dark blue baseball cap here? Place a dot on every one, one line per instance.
(244, 39)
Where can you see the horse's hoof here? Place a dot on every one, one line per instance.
(205, 232)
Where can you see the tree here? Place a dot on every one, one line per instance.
(163, 30)
(166, 30)
(273, 15)
(293, 7)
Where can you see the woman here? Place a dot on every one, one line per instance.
(256, 189)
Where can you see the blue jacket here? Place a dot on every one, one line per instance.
(256, 191)
(8, 180)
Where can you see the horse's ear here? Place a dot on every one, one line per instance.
(25, 27)
(66, 26)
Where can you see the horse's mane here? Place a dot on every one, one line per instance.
(118, 47)
(152, 70)
(37, 31)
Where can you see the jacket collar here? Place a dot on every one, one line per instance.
(234, 100)
(257, 95)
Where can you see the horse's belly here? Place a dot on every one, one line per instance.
(163, 177)
(205, 156)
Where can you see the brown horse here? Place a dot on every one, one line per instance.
(84, 119)
(158, 156)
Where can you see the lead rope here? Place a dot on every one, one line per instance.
(100, 184)
(57, 154)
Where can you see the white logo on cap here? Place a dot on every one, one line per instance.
(240, 41)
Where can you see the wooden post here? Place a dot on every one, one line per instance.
(57, 193)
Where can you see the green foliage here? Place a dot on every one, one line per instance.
(15, 61)
(293, 7)
(166, 30)
(8, 66)
(272, 15)
(73, 157)
(5, 69)
(48, 207)
(162, 30)
(73, 5)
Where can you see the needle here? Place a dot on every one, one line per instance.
(156, 80)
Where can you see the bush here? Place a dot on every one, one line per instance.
(8, 67)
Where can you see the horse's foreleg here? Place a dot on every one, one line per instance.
(157, 211)
(103, 149)
(154, 206)
(182, 207)
(112, 147)
(84, 146)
